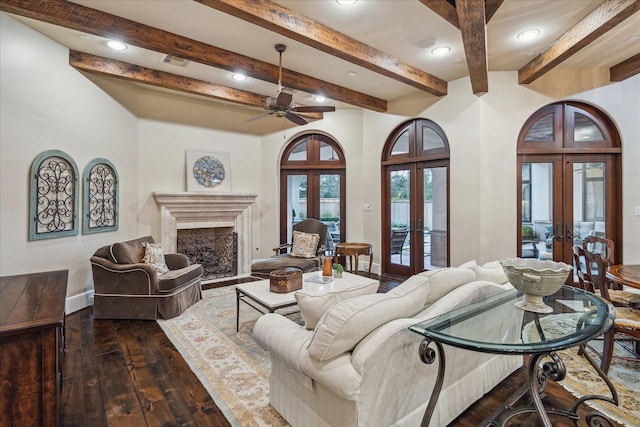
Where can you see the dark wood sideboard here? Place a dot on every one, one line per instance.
(32, 310)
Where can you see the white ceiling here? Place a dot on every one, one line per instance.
(405, 29)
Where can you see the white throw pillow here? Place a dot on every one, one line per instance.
(349, 321)
(154, 256)
(314, 304)
(304, 244)
(443, 281)
(469, 264)
(491, 272)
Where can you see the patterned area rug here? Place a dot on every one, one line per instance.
(582, 379)
(231, 366)
(235, 369)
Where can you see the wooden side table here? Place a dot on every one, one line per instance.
(354, 250)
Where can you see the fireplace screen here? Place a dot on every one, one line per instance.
(216, 249)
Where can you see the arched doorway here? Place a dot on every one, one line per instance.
(415, 199)
(312, 185)
(569, 180)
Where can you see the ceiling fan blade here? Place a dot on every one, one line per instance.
(315, 109)
(259, 116)
(296, 118)
(284, 100)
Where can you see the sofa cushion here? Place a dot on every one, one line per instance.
(154, 256)
(173, 279)
(314, 304)
(131, 252)
(304, 244)
(491, 271)
(347, 322)
(444, 280)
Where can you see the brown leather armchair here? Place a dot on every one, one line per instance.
(126, 288)
(280, 260)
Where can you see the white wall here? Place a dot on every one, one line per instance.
(161, 148)
(482, 133)
(621, 101)
(45, 105)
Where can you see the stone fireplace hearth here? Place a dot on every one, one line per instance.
(191, 210)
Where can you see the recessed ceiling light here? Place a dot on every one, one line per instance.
(634, 38)
(529, 34)
(319, 98)
(116, 45)
(440, 51)
(239, 77)
(85, 37)
(352, 74)
(346, 2)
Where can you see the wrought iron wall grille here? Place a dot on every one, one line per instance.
(53, 196)
(100, 205)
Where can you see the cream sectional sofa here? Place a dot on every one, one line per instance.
(359, 365)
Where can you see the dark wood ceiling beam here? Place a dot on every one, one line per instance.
(598, 22)
(123, 70)
(625, 69)
(300, 28)
(491, 7)
(135, 73)
(448, 12)
(471, 17)
(91, 21)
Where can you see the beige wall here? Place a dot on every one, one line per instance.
(45, 104)
(482, 133)
(162, 166)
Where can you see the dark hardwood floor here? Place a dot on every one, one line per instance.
(127, 373)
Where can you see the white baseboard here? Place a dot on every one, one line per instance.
(78, 302)
(364, 266)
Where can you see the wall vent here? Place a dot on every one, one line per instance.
(174, 60)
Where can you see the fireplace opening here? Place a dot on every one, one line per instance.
(216, 249)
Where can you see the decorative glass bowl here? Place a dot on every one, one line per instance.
(536, 279)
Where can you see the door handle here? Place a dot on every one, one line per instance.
(569, 233)
(558, 236)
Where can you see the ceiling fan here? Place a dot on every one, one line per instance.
(282, 104)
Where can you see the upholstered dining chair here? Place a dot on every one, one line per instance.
(627, 320)
(304, 252)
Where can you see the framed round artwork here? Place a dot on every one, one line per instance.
(207, 171)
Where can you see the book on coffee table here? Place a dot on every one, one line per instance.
(319, 279)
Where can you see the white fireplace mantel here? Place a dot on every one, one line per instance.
(184, 210)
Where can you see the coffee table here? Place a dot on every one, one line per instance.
(258, 296)
(458, 328)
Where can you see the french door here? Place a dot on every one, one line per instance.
(312, 185)
(569, 181)
(415, 199)
(565, 198)
(417, 232)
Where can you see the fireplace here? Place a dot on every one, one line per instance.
(212, 218)
(215, 249)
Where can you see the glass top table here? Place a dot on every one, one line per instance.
(577, 317)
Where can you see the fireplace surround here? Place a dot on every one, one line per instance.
(193, 210)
